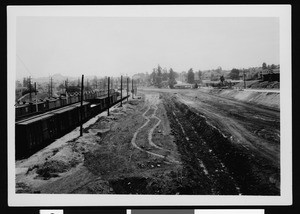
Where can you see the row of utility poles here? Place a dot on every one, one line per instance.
(50, 92)
(50, 86)
(113, 82)
(108, 83)
(97, 84)
(108, 96)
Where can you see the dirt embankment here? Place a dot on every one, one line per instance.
(267, 99)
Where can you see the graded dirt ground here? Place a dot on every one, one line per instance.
(165, 142)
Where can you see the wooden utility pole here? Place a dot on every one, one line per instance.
(51, 87)
(49, 90)
(108, 95)
(127, 87)
(36, 102)
(121, 89)
(66, 90)
(244, 80)
(132, 89)
(104, 83)
(29, 81)
(65, 86)
(81, 105)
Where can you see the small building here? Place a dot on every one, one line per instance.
(270, 75)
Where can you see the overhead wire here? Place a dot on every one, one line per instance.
(24, 64)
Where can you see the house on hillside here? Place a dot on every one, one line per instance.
(253, 73)
(270, 75)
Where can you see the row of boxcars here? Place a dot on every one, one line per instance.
(38, 131)
(34, 108)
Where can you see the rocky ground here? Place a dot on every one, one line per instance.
(164, 142)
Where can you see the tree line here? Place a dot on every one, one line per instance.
(162, 77)
(159, 77)
(235, 73)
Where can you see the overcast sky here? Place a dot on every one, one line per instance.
(113, 46)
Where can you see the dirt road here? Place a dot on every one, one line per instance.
(244, 140)
(165, 142)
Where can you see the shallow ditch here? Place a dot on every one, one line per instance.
(204, 172)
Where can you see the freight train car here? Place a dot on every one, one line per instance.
(37, 132)
(40, 130)
(102, 103)
(30, 109)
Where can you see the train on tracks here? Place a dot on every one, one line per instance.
(37, 131)
(34, 108)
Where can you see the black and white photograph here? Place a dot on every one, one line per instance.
(149, 105)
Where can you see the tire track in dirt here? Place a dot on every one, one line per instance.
(237, 123)
(205, 171)
(150, 134)
(201, 162)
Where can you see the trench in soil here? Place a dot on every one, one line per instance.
(230, 169)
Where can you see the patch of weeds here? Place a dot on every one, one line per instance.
(23, 188)
(86, 130)
(51, 169)
(55, 151)
(74, 162)
(98, 187)
(31, 168)
(132, 185)
(104, 162)
(73, 140)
